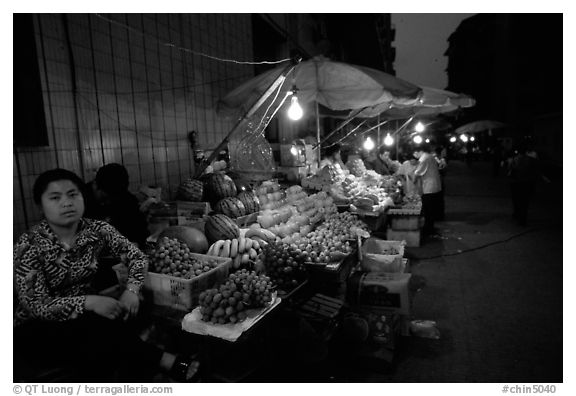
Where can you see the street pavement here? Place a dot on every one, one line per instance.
(493, 287)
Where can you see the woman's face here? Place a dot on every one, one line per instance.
(62, 203)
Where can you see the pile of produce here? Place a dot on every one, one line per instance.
(284, 264)
(228, 303)
(356, 167)
(242, 250)
(172, 257)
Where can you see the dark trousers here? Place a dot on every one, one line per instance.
(521, 196)
(431, 209)
(96, 348)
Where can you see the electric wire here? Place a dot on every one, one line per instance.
(172, 45)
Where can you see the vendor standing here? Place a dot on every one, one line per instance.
(429, 175)
(60, 320)
(406, 170)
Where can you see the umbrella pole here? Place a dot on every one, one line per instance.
(275, 84)
(318, 132)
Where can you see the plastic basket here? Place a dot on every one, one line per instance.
(180, 293)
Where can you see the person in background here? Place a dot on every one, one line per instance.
(108, 199)
(333, 156)
(524, 171)
(383, 164)
(427, 172)
(407, 170)
(59, 318)
(442, 164)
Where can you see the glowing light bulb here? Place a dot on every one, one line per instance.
(294, 151)
(453, 139)
(427, 140)
(388, 140)
(472, 138)
(464, 138)
(417, 139)
(295, 112)
(369, 144)
(419, 127)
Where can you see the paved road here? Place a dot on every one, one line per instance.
(494, 288)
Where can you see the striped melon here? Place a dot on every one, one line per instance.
(231, 207)
(220, 226)
(219, 186)
(191, 190)
(250, 201)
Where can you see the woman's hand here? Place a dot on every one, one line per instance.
(107, 307)
(131, 303)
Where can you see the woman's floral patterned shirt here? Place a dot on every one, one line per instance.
(52, 281)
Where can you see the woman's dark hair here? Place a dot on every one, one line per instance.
(112, 179)
(42, 182)
(331, 150)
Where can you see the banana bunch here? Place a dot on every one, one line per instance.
(244, 249)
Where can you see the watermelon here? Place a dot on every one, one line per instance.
(191, 190)
(250, 201)
(231, 207)
(193, 237)
(220, 226)
(219, 186)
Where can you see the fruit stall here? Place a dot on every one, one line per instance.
(229, 256)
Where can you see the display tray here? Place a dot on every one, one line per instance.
(193, 323)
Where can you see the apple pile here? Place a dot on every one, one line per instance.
(172, 257)
(228, 303)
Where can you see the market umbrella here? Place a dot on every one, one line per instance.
(479, 126)
(432, 101)
(336, 85)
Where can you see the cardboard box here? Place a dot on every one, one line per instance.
(379, 255)
(380, 289)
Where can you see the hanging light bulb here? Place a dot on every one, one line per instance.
(472, 138)
(417, 139)
(419, 127)
(388, 140)
(369, 144)
(453, 139)
(464, 138)
(295, 111)
(294, 151)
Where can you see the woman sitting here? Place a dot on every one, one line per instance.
(59, 319)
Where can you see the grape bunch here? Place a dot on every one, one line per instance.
(172, 257)
(228, 302)
(284, 264)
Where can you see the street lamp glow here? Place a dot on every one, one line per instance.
(369, 144)
(419, 127)
(472, 138)
(295, 112)
(453, 139)
(388, 140)
(417, 139)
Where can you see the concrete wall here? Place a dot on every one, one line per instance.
(137, 98)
